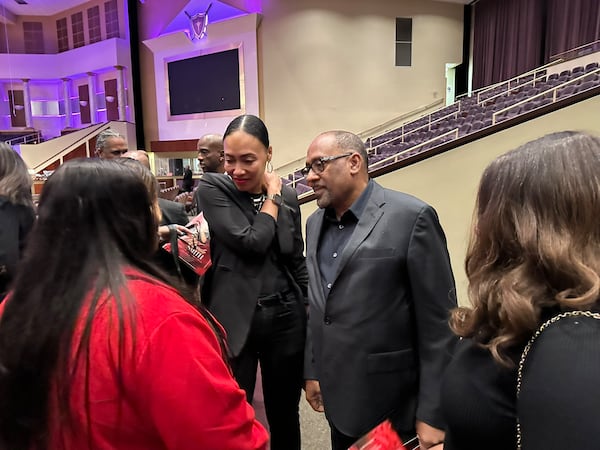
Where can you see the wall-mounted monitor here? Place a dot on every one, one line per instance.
(205, 85)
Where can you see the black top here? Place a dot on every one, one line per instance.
(275, 279)
(335, 234)
(479, 401)
(16, 222)
(560, 393)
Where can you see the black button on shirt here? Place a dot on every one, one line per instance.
(335, 234)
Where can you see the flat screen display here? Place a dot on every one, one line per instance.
(204, 84)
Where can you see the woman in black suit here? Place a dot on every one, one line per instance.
(534, 256)
(257, 284)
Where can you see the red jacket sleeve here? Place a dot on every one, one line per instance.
(189, 392)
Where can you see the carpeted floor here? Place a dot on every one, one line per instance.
(314, 427)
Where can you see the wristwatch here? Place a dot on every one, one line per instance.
(275, 198)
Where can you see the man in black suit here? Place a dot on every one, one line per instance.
(380, 291)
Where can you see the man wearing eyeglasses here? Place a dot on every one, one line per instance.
(380, 291)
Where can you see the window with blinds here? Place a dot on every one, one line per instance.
(62, 35)
(33, 37)
(94, 31)
(111, 18)
(77, 29)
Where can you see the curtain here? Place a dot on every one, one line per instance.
(508, 39)
(570, 24)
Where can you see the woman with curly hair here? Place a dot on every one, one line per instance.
(534, 254)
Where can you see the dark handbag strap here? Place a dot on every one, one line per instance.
(174, 240)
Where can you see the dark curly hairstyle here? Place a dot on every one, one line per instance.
(535, 243)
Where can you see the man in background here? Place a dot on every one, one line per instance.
(210, 156)
(188, 179)
(380, 292)
(110, 144)
(210, 153)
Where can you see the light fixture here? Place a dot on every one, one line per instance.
(83, 102)
(110, 98)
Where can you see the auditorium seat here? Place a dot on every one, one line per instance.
(585, 86)
(477, 125)
(593, 77)
(553, 77)
(576, 70)
(565, 91)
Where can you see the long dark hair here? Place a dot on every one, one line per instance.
(535, 243)
(95, 218)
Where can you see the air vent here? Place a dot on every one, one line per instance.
(21, 2)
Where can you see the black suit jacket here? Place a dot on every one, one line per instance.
(172, 212)
(379, 343)
(240, 240)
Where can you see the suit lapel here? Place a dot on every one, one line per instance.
(369, 218)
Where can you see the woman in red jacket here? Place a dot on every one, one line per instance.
(96, 350)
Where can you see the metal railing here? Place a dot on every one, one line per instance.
(544, 94)
(576, 52)
(30, 138)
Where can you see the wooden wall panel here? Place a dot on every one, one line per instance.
(110, 91)
(17, 108)
(84, 110)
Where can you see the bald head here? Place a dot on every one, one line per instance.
(210, 153)
(139, 155)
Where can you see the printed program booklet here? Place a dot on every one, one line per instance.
(384, 437)
(194, 249)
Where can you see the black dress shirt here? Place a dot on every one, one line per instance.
(336, 234)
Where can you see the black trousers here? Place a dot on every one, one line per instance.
(276, 339)
(340, 441)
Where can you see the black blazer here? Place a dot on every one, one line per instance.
(16, 221)
(172, 212)
(380, 341)
(240, 241)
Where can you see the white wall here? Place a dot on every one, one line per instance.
(221, 36)
(330, 65)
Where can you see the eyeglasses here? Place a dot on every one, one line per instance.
(318, 165)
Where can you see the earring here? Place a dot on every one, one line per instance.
(269, 166)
